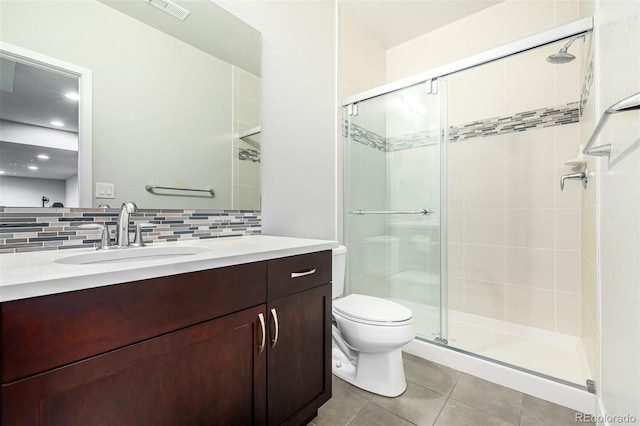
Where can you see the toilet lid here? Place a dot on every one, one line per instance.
(370, 308)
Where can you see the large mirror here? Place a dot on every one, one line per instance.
(173, 103)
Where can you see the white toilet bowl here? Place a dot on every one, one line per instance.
(368, 335)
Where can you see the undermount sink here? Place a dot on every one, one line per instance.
(130, 255)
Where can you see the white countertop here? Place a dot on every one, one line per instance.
(32, 274)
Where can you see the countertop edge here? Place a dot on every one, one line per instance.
(44, 286)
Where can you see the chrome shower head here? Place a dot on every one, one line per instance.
(562, 57)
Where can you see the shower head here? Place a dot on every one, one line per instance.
(563, 57)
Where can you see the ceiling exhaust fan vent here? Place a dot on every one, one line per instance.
(171, 8)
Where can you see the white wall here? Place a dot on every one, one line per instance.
(28, 192)
(71, 192)
(156, 100)
(500, 24)
(298, 171)
(618, 70)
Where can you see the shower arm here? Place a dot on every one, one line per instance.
(627, 104)
(566, 46)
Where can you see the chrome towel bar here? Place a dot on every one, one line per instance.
(627, 104)
(421, 212)
(152, 188)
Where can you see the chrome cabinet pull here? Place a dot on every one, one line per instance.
(264, 333)
(274, 342)
(303, 273)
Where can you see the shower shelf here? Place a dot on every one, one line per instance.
(251, 132)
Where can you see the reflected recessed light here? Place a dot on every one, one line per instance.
(43, 156)
(33, 167)
(2, 172)
(72, 96)
(57, 123)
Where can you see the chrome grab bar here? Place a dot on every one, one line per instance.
(152, 188)
(627, 104)
(421, 212)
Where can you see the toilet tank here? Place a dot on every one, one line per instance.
(338, 271)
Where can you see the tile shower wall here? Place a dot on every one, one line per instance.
(361, 66)
(246, 115)
(514, 237)
(24, 229)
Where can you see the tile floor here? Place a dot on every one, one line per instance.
(439, 396)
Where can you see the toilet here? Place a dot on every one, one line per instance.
(368, 334)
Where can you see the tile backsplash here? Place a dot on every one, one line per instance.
(36, 229)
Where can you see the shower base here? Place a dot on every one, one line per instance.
(548, 365)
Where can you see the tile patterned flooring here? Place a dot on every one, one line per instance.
(439, 396)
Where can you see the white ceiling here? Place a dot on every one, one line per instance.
(36, 96)
(394, 22)
(16, 157)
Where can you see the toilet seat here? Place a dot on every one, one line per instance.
(372, 310)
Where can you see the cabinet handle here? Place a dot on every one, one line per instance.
(303, 273)
(264, 332)
(274, 342)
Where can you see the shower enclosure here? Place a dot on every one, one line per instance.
(453, 206)
(396, 191)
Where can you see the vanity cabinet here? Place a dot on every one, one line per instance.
(298, 371)
(183, 349)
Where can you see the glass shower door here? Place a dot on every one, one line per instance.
(394, 202)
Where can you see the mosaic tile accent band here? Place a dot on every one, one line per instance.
(586, 87)
(520, 122)
(36, 229)
(248, 154)
(367, 137)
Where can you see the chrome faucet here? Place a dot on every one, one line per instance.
(122, 231)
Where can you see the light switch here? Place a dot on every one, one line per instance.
(105, 190)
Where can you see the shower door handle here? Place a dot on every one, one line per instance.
(421, 212)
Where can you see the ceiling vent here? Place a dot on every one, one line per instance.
(171, 8)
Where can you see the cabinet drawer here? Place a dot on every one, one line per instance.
(42, 333)
(297, 273)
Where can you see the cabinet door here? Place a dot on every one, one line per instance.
(211, 373)
(299, 362)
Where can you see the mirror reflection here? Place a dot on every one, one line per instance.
(174, 103)
(38, 137)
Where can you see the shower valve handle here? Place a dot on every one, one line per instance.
(581, 176)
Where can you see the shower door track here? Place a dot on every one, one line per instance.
(569, 30)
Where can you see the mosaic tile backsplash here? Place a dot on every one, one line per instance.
(24, 229)
(519, 122)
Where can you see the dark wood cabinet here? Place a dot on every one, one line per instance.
(206, 374)
(299, 364)
(177, 350)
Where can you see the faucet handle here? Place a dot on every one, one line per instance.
(105, 238)
(138, 242)
(581, 176)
